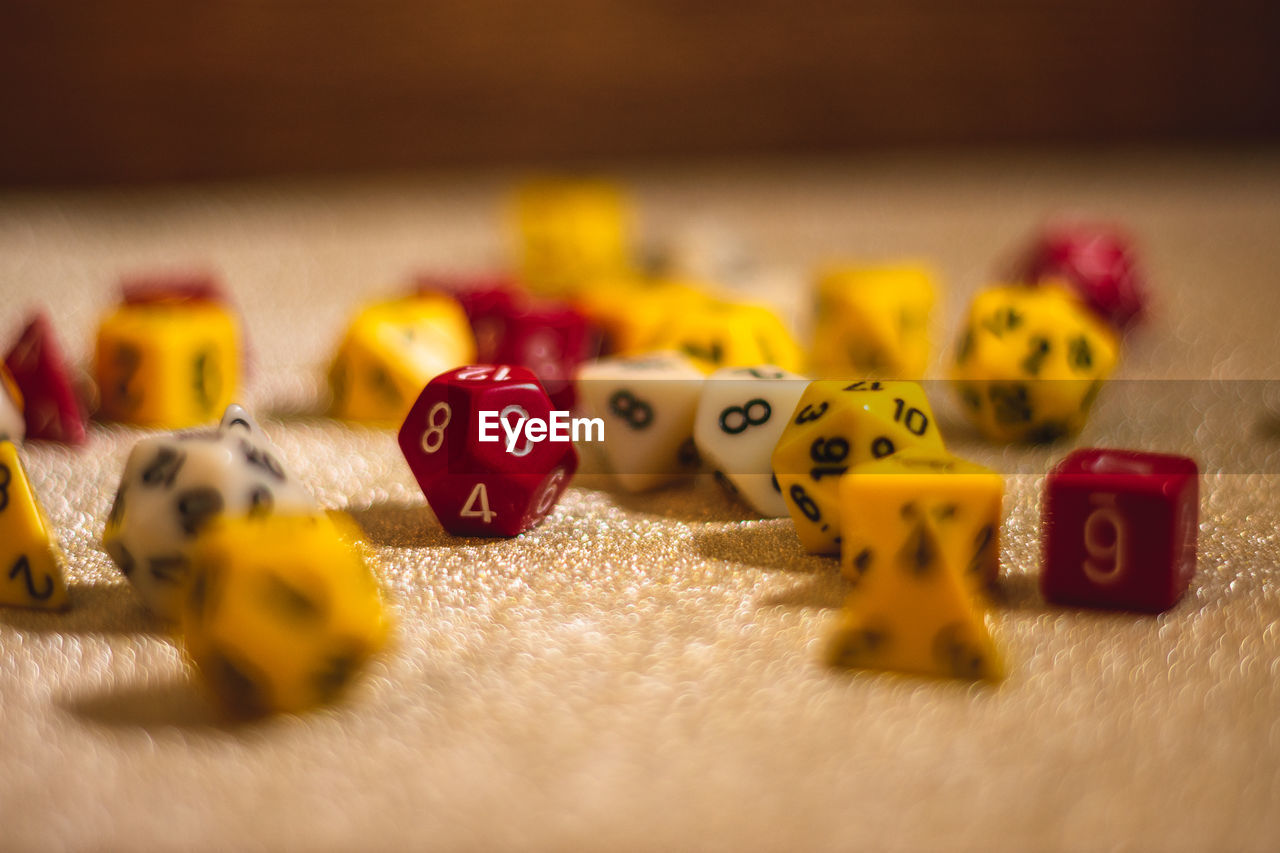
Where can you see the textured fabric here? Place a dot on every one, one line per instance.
(644, 671)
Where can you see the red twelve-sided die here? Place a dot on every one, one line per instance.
(1095, 261)
(483, 445)
(1119, 529)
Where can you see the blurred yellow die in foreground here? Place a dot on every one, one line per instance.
(1030, 362)
(280, 612)
(719, 334)
(836, 425)
(390, 352)
(167, 364)
(571, 233)
(873, 321)
(926, 505)
(31, 563)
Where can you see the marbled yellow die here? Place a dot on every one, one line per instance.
(391, 350)
(167, 364)
(720, 334)
(281, 611)
(838, 424)
(571, 234)
(873, 321)
(1030, 362)
(631, 312)
(31, 562)
(915, 502)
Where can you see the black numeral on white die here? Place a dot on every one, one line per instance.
(735, 419)
(163, 470)
(635, 412)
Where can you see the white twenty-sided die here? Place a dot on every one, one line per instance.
(647, 405)
(741, 414)
(12, 425)
(174, 485)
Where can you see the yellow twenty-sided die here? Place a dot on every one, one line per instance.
(31, 563)
(836, 425)
(720, 333)
(167, 365)
(571, 234)
(280, 611)
(924, 505)
(391, 350)
(1030, 362)
(873, 321)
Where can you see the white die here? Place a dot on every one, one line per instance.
(647, 405)
(174, 485)
(13, 426)
(741, 415)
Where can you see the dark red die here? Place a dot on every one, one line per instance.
(52, 411)
(476, 487)
(176, 286)
(551, 339)
(1119, 529)
(1096, 261)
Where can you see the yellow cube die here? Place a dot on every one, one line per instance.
(571, 234)
(1030, 362)
(720, 334)
(30, 559)
(167, 364)
(838, 424)
(390, 352)
(280, 612)
(873, 321)
(924, 504)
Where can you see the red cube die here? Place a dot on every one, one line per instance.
(176, 286)
(52, 411)
(1119, 529)
(1097, 262)
(485, 449)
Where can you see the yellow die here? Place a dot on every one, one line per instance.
(907, 618)
(631, 313)
(571, 234)
(281, 611)
(30, 559)
(873, 321)
(13, 425)
(906, 505)
(720, 334)
(838, 424)
(1030, 362)
(391, 350)
(167, 364)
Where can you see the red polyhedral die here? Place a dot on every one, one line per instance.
(1095, 261)
(496, 487)
(551, 339)
(181, 286)
(1119, 529)
(488, 301)
(52, 411)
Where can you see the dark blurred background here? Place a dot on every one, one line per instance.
(155, 90)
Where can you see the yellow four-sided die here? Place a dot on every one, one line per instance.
(571, 234)
(167, 364)
(31, 563)
(391, 350)
(280, 611)
(1030, 362)
(838, 424)
(873, 321)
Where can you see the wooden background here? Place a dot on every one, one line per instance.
(146, 90)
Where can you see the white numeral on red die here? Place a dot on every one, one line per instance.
(1104, 540)
(479, 374)
(478, 495)
(433, 437)
(522, 415)
(549, 493)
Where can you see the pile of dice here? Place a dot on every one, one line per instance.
(489, 380)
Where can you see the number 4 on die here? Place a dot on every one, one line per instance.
(1119, 529)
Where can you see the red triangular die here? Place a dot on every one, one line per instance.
(40, 371)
